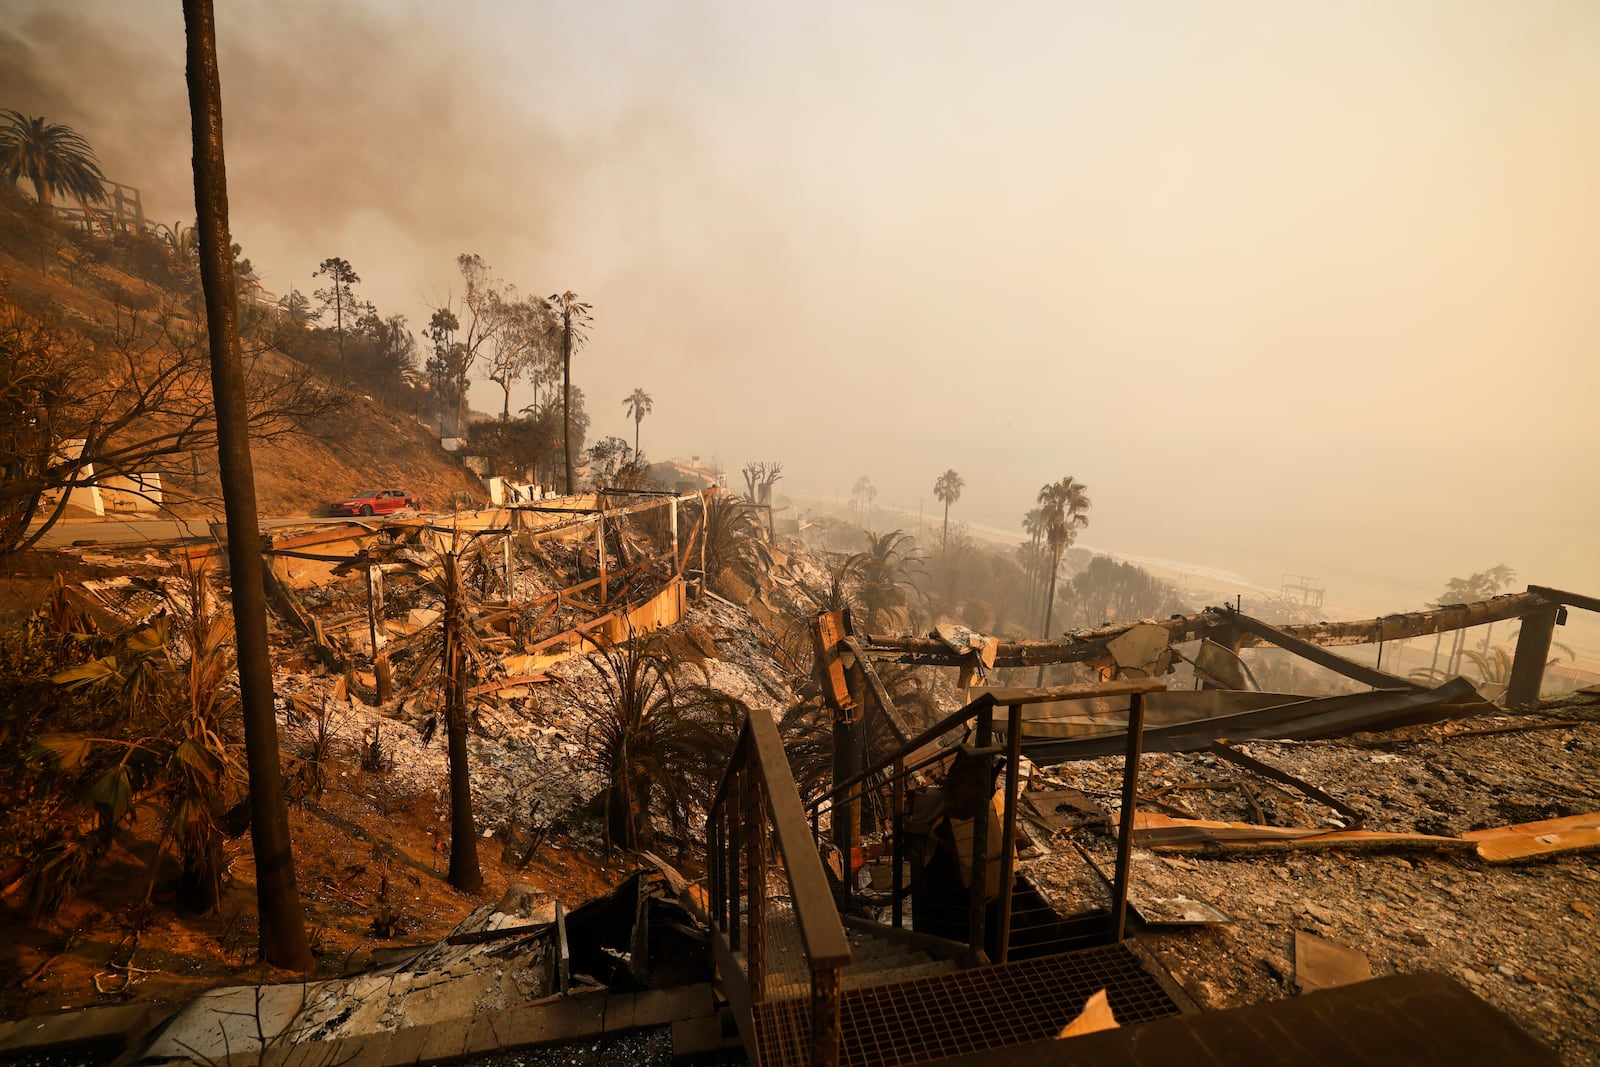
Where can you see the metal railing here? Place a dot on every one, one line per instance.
(891, 772)
(757, 807)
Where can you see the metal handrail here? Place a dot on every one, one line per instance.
(988, 702)
(757, 801)
(980, 715)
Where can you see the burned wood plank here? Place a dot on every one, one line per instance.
(880, 695)
(828, 631)
(1162, 833)
(1531, 840)
(326, 535)
(283, 599)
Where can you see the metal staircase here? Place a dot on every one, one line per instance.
(811, 983)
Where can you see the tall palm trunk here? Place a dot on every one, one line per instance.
(464, 872)
(566, 391)
(282, 922)
(944, 539)
(1050, 597)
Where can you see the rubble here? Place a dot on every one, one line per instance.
(1521, 935)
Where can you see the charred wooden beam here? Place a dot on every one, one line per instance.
(1559, 596)
(1417, 623)
(1080, 646)
(880, 694)
(1533, 652)
(1317, 654)
(1091, 644)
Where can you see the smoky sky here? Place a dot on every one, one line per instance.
(1291, 288)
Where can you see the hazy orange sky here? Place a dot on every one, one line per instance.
(1306, 288)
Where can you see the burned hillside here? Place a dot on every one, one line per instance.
(583, 622)
(105, 331)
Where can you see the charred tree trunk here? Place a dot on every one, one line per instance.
(283, 932)
(464, 872)
(566, 391)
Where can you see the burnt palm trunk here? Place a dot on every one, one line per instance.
(464, 872)
(283, 932)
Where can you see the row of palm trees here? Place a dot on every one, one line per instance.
(1061, 511)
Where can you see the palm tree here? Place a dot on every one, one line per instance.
(457, 655)
(1063, 505)
(885, 571)
(1479, 586)
(1032, 554)
(638, 404)
(861, 495)
(651, 740)
(55, 158)
(574, 314)
(183, 243)
(282, 920)
(735, 540)
(948, 489)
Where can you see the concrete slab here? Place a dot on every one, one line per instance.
(232, 1021)
(484, 1035)
(433, 1043)
(108, 1023)
(692, 1038)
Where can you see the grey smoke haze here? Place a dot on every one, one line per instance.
(1304, 289)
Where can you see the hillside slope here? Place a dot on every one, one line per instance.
(87, 282)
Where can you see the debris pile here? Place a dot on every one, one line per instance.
(1236, 916)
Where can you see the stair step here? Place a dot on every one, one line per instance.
(934, 1010)
(887, 962)
(861, 979)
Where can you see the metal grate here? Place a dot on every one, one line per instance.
(968, 1011)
